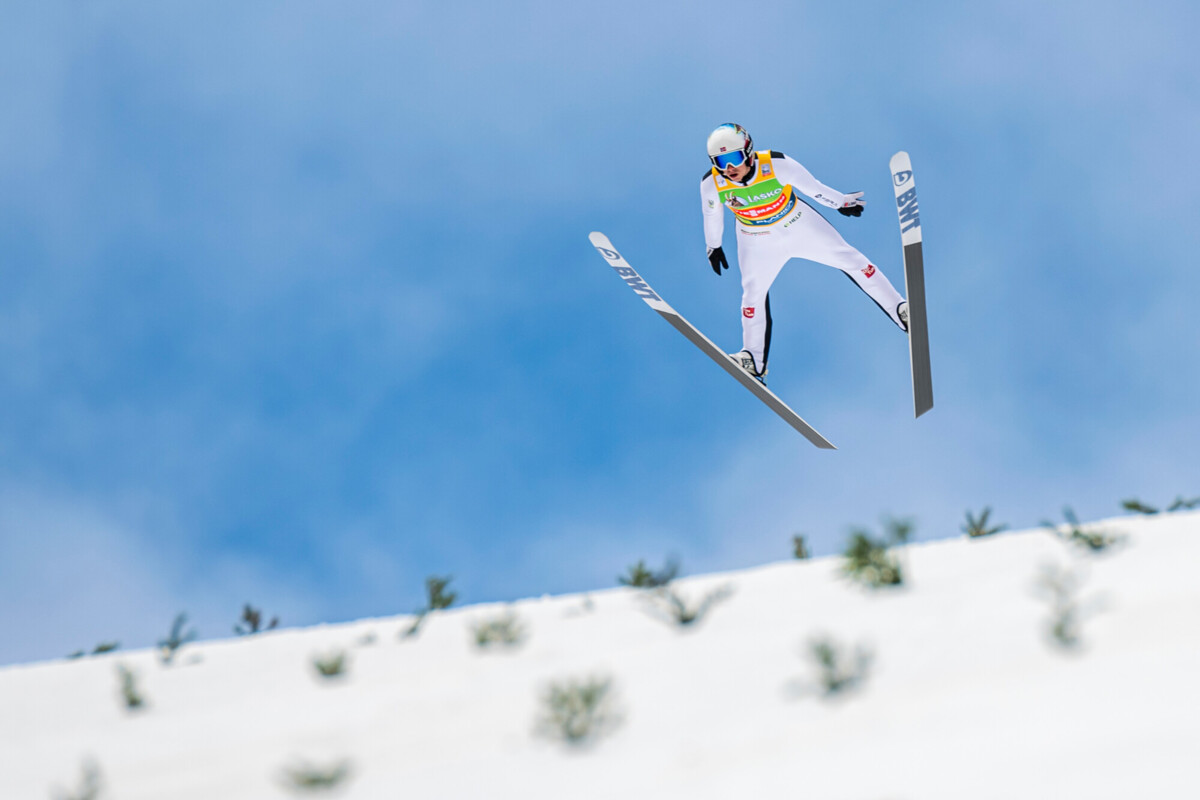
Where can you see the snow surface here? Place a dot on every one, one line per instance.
(967, 696)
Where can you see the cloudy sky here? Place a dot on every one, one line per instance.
(297, 305)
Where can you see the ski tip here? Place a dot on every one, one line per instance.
(598, 239)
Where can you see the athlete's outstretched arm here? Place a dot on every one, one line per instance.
(788, 170)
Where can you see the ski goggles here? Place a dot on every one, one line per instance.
(734, 159)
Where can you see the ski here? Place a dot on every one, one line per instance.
(914, 281)
(758, 389)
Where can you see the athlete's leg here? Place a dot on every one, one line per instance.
(759, 261)
(821, 242)
(767, 337)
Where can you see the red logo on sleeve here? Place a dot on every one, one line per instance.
(869, 271)
(748, 313)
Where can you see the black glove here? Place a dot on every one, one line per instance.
(853, 206)
(716, 257)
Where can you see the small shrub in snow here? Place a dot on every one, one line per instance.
(505, 630)
(331, 665)
(1179, 505)
(252, 622)
(90, 785)
(175, 640)
(305, 777)
(1095, 540)
(439, 598)
(800, 547)
(1062, 588)
(131, 694)
(641, 577)
(870, 561)
(899, 531)
(976, 527)
(578, 711)
(1138, 507)
(100, 649)
(676, 608)
(838, 669)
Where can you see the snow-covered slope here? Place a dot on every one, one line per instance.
(966, 695)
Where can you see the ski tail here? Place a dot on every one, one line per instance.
(914, 281)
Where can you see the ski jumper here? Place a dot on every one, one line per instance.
(775, 225)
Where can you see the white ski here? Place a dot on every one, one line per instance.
(914, 281)
(643, 290)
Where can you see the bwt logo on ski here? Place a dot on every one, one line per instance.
(629, 276)
(902, 177)
(909, 216)
(636, 283)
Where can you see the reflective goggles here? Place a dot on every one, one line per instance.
(734, 159)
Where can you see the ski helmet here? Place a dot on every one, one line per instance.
(730, 145)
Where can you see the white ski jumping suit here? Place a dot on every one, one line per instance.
(775, 225)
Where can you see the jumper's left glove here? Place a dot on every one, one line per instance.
(716, 258)
(853, 206)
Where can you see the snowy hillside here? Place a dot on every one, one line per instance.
(961, 691)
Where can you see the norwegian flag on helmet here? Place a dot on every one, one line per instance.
(729, 138)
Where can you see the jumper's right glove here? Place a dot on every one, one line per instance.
(716, 257)
(853, 206)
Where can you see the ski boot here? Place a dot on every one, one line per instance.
(745, 360)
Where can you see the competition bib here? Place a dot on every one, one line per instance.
(763, 201)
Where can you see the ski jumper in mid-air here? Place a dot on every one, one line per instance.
(774, 225)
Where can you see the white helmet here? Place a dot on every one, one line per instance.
(728, 145)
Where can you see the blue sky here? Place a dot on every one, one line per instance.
(297, 305)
